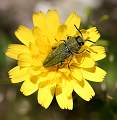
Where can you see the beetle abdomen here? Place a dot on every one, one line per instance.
(57, 56)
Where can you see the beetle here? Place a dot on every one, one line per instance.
(65, 50)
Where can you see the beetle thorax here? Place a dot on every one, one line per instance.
(74, 44)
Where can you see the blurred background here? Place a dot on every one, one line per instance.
(99, 13)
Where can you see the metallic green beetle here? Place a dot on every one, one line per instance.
(64, 50)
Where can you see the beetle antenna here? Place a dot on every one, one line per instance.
(78, 30)
(82, 35)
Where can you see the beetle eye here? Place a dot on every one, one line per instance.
(81, 43)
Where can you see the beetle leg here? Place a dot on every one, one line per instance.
(68, 37)
(70, 60)
(88, 51)
(57, 67)
(69, 67)
(61, 63)
(69, 63)
(63, 41)
(80, 52)
(82, 55)
(91, 50)
(56, 40)
(53, 48)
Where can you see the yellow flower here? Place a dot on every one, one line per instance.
(37, 43)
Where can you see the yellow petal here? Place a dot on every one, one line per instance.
(42, 43)
(48, 78)
(15, 49)
(61, 33)
(64, 95)
(25, 35)
(53, 22)
(48, 25)
(39, 20)
(28, 87)
(24, 60)
(18, 75)
(77, 74)
(72, 20)
(87, 62)
(97, 52)
(45, 95)
(83, 89)
(94, 74)
(47, 88)
(93, 35)
(65, 72)
(84, 60)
